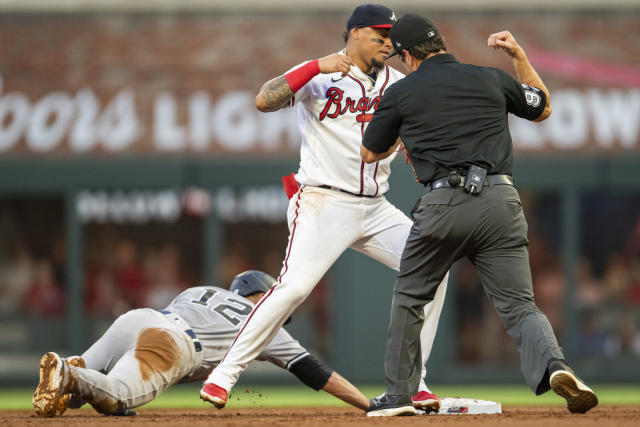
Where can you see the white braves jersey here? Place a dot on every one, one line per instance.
(333, 112)
(216, 316)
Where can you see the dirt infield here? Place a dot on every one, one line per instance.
(513, 416)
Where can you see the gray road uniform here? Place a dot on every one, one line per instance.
(144, 352)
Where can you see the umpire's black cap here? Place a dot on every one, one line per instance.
(411, 30)
(371, 15)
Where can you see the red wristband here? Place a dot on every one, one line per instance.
(300, 76)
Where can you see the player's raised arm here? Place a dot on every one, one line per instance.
(277, 93)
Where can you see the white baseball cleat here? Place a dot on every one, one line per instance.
(46, 396)
(579, 397)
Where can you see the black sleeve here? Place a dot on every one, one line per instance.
(311, 371)
(523, 100)
(382, 132)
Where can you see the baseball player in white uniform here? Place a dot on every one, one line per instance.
(145, 352)
(337, 201)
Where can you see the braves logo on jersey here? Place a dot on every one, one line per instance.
(335, 107)
(337, 104)
(333, 113)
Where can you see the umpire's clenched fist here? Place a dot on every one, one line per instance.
(504, 40)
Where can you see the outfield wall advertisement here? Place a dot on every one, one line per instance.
(152, 84)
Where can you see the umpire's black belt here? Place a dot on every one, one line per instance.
(196, 342)
(490, 180)
(328, 187)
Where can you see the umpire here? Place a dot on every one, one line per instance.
(452, 119)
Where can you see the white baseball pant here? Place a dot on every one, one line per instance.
(323, 223)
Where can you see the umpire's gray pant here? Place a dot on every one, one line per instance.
(489, 229)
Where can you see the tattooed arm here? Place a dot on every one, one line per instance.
(276, 93)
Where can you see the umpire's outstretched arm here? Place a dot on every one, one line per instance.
(524, 70)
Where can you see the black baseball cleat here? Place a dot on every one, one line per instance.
(565, 383)
(391, 406)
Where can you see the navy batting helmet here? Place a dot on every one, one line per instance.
(251, 282)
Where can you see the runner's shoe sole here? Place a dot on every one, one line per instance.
(579, 397)
(45, 399)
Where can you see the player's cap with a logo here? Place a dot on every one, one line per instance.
(411, 30)
(371, 15)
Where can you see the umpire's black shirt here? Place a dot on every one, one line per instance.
(452, 115)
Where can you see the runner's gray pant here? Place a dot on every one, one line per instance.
(143, 353)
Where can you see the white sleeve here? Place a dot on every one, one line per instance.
(282, 349)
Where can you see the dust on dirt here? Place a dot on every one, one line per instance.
(602, 416)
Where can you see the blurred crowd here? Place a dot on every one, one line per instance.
(31, 284)
(118, 275)
(121, 274)
(607, 305)
(124, 270)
